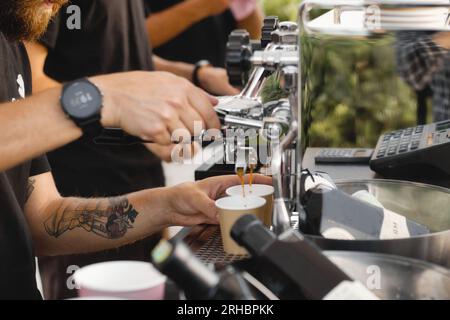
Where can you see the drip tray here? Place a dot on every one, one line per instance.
(212, 251)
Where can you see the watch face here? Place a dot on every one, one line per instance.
(203, 63)
(81, 100)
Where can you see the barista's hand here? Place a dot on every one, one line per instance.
(211, 7)
(442, 39)
(194, 203)
(215, 81)
(152, 105)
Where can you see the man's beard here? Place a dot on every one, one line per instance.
(26, 19)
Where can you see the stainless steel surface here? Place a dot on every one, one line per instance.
(392, 277)
(258, 75)
(273, 122)
(236, 105)
(286, 159)
(425, 204)
(255, 84)
(360, 27)
(429, 205)
(287, 33)
(241, 122)
(279, 120)
(273, 60)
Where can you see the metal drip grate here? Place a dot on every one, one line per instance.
(212, 251)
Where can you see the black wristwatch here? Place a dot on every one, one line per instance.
(198, 66)
(82, 101)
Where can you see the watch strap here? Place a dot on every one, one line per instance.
(195, 73)
(91, 128)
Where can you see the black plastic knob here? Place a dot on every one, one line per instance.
(239, 52)
(270, 25)
(249, 232)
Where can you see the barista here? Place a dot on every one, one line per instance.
(112, 38)
(34, 218)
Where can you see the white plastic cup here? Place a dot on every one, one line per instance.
(132, 280)
(257, 190)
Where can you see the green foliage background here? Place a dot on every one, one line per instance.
(352, 91)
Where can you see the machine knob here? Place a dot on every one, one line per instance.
(270, 25)
(239, 52)
(287, 33)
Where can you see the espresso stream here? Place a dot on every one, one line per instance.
(241, 175)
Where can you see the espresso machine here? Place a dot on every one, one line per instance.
(281, 56)
(279, 127)
(262, 134)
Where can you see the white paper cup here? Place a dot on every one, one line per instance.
(230, 210)
(132, 280)
(257, 190)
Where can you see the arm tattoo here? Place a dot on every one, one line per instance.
(111, 222)
(30, 188)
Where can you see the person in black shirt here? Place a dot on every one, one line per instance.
(16, 251)
(33, 216)
(83, 168)
(195, 30)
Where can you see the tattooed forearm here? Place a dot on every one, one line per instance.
(30, 188)
(110, 218)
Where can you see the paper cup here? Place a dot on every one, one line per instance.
(132, 280)
(230, 210)
(257, 190)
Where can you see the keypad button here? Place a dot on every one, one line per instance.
(398, 134)
(403, 148)
(415, 145)
(392, 151)
(409, 131)
(406, 140)
(417, 137)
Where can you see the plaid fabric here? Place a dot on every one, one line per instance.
(422, 63)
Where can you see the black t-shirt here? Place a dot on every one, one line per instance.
(206, 39)
(112, 38)
(17, 266)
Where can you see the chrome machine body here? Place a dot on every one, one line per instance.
(284, 120)
(412, 200)
(273, 123)
(280, 55)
